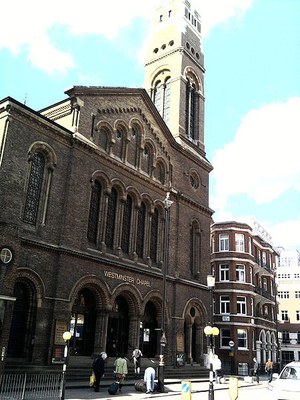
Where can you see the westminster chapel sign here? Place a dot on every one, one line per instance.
(127, 278)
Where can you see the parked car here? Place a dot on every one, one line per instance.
(286, 385)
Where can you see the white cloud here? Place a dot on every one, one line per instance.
(29, 27)
(46, 57)
(263, 159)
(286, 234)
(215, 12)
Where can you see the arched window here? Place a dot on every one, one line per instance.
(94, 212)
(146, 161)
(103, 139)
(154, 236)
(126, 226)
(111, 218)
(167, 98)
(133, 146)
(34, 188)
(160, 172)
(158, 95)
(141, 222)
(162, 96)
(195, 256)
(191, 111)
(119, 145)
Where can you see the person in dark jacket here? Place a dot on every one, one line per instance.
(98, 368)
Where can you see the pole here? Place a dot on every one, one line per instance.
(163, 341)
(64, 371)
(211, 394)
(66, 337)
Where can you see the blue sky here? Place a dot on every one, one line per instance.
(252, 87)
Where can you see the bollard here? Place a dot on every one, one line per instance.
(186, 390)
(233, 388)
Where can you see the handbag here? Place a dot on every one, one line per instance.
(92, 379)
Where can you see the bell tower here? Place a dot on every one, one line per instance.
(174, 71)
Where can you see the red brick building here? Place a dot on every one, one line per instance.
(84, 245)
(243, 262)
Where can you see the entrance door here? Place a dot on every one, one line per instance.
(148, 334)
(23, 322)
(82, 326)
(118, 328)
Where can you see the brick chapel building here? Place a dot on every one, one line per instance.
(86, 241)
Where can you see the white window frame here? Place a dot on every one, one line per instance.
(224, 273)
(240, 273)
(241, 305)
(283, 294)
(250, 245)
(224, 340)
(242, 336)
(224, 242)
(224, 304)
(284, 315)
(240, 242)
(264, 259)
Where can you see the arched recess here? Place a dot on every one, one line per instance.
(123, 322)
(41, 163)
(194, 322)
(23, 325)
(161, 92)
(88, 298)
(148, 157)
(195, 249)
(120, 139)
(160, 171)
(150, 324)
(104, 138)
(261, 348)
(192, 104)
(134, 142)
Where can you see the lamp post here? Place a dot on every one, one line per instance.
(211, 332)
(66, 337)
(163, 340)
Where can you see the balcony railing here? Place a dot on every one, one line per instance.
(265, 293)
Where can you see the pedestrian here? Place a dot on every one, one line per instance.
(149, 377)
(256, 370)
(217, 368)
(137, 358)
(121, 370)
(98, 368)
(269, 369)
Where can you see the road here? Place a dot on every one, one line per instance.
(199, 391)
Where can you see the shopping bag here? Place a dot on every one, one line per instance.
(92, 379)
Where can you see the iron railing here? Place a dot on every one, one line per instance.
(31, 386)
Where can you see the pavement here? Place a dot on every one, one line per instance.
(174, 389)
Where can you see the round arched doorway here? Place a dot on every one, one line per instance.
(82, 325)
(118, 328)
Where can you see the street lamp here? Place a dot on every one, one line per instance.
(163, 340)
(66, 337)
(211, 331)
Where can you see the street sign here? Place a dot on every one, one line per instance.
(231, 343)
